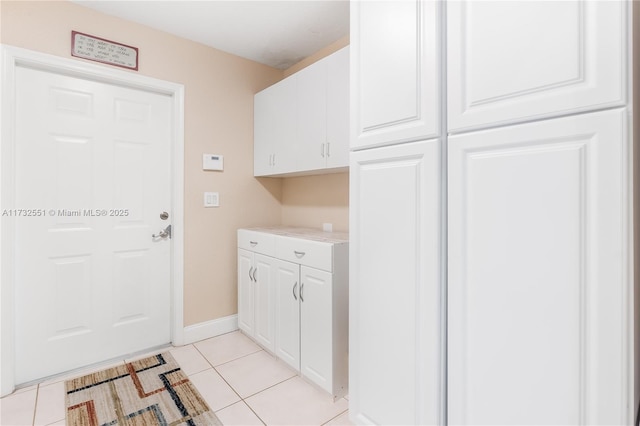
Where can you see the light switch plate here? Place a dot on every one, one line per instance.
(211, 199)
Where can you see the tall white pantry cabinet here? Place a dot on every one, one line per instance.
(491, 217)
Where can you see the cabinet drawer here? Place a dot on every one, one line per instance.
(258, 242)
(305, 252)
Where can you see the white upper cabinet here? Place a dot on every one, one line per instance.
(516, 61)
(311, 129)
(301, 124)
(395, 84)
(275, 116)
(337, 149)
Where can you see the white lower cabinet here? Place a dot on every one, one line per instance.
(308, 274)
(538, 294)
(256, 292)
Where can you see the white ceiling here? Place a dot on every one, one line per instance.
(275, 33)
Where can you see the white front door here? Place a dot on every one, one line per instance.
(93, 176)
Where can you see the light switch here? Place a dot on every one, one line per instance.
(211, 199)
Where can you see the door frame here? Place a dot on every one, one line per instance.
(13, 57)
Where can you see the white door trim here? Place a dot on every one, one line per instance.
(11, 58)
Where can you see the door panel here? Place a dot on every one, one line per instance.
(536, 277)
(97, 164)
(316, 326)
(554, 57)
(265, 301)
(394, 293)
(311, 131)
(288, 313)
(245, 292)
(394, 71)
(338, 109)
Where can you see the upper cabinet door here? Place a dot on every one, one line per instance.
(311, 95)
(337, 149)
(511, 62)
(395, 49)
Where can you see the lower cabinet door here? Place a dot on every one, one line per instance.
(288, 313)
(245, 292)
(395, 327)
(538, 284)
(264, 289)
(316, 327)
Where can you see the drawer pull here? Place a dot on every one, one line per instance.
(301, 289)
(299, 254)
(253, 243)
(294, 290)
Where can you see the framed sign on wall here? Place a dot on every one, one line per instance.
(101, 50)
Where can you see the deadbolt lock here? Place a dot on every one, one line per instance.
(164, 215)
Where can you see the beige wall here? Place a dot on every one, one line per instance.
(219, 90)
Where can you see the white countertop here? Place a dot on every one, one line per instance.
(306, 233)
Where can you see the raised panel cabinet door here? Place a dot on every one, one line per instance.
(284, 121)
(538, 288)
(337, 150)
(263, 132)
(395, 69)
(395, 285)
(311, 95)
(517, 61)
(245, 292)
(265, 301)
(288, 313)
(316, 327)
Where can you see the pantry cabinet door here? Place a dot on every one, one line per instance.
(538, 286)
(523, 60)
(395, 285)
(395, 49)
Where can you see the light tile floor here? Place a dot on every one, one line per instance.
(242, 383)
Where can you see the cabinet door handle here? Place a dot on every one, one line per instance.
(301, 290)
(250, 270)
(254, 274)
(299, 254)
(322, 150)
(294, 290)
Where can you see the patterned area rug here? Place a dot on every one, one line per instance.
(150, 391)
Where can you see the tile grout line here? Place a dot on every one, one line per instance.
(229, 384)
(35, 406)
(335, 417)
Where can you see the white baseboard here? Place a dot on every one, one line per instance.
(205, 330)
